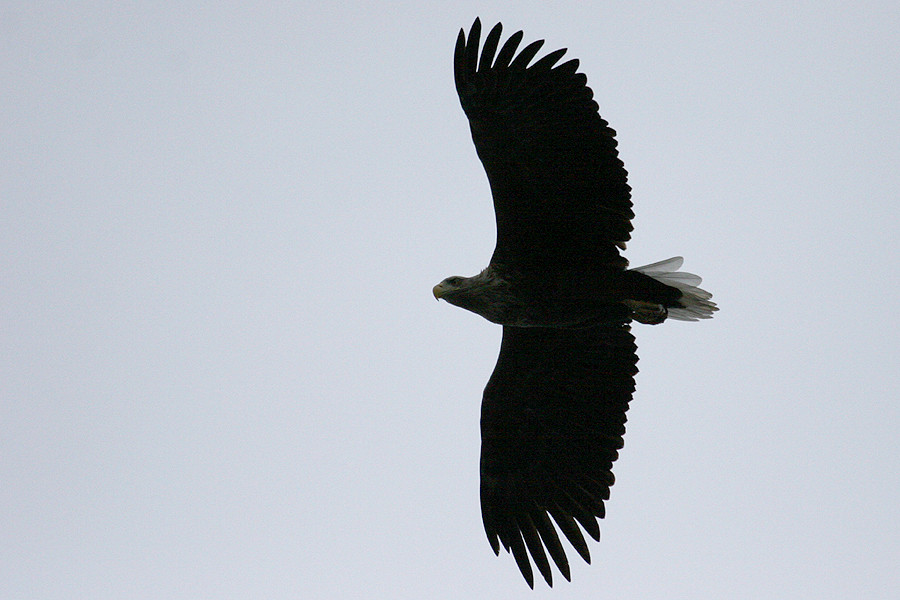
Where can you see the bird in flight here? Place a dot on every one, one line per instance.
(553, 412)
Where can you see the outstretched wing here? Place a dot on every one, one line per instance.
(552, 422)
(560, 191)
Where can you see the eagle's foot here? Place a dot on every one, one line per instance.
(648, 313)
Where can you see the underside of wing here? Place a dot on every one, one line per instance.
(552, 422)
(560, 190)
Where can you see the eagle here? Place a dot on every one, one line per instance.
(553, 411)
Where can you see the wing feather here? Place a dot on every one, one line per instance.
(567, 525)
(519, 552)
(521, 61)
(490, 47)
(508, 50)
(551, 541)
(546, 62)
(534, 545)
(472, 47)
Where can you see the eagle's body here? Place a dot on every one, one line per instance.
(568, 298)
(553, 414)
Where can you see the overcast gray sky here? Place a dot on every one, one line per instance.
(223, 373)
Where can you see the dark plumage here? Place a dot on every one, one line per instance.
(553, 413)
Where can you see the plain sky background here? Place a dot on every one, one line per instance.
(223, 372)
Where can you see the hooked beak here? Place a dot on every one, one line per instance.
(439, 290)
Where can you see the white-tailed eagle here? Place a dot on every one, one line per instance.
(553, 413)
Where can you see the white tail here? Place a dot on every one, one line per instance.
(695, 302)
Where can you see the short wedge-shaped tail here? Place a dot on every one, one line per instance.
(695, 303)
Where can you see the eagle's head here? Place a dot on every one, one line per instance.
(485, 294)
